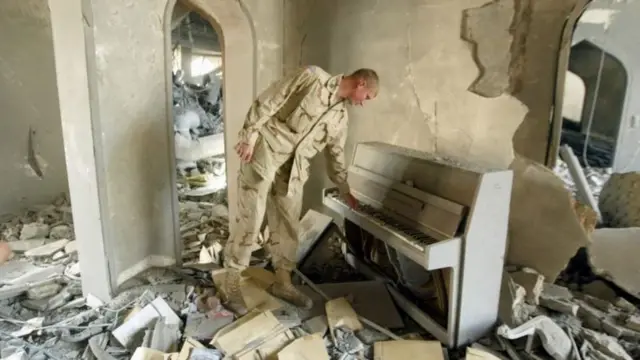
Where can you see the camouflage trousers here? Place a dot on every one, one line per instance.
(260, 193)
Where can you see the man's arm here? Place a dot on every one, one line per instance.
(271, 100)
(334, 153)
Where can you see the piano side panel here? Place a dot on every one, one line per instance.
(446, 181)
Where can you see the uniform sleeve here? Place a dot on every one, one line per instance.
(272, 99)
(334, 152)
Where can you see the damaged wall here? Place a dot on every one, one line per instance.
(32, 154)
(129, 81)
(427, 71)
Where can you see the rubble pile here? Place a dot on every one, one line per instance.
(551, 321)
(197, 110)
(175, 313)
(197, 113)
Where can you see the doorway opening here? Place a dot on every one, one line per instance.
(198, 112)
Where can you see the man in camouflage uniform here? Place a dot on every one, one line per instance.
(288, 124)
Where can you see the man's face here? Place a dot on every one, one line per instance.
(360, 94)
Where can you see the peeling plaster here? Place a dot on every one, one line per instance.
(598, 16)
(487, 29)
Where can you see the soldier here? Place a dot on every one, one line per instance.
(288, 124)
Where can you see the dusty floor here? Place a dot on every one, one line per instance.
(174, 312)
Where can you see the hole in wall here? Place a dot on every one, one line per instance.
(591, 127)
(198, 113)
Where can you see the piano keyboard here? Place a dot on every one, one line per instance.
(414, 237)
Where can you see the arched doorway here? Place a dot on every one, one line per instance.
(237, 84)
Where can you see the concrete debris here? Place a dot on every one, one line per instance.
(33, 231)
(26, 245)
(612, 256)
(199, 136)
(511, 309)
(554, 340)
(48, 249)
(531, 281)
(600, 290)
(539, 197)
(171, 313)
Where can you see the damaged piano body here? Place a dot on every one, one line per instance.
(435, 229)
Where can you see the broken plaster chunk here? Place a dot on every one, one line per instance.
(309, 347)
(341, 314)
(539, 193)
(633, 322)
(605, 344)
(71, 248)
(560, 305)
(554, 340)
(612, 255)
(600, 290)
(532, 283)
(511, 310)
(43, 291)
(165, 336)
(29, 327)
(407, 350)
(21, 246)
(556, 292)
(33, 231)
(61, 232)
(625, 305)
(47, 250)
(140, 320)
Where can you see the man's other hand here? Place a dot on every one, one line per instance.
(351, 200)
(245, 150)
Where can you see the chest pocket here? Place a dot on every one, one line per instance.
(307, 113)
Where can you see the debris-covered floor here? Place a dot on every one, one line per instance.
(174, 313)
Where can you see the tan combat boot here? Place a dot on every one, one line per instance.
(283, 288)
(228, 285)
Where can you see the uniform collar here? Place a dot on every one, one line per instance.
(330, 90)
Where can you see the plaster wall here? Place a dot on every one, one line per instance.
(476, 98)
(129, 83)
(613, 26)
(29, 102)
